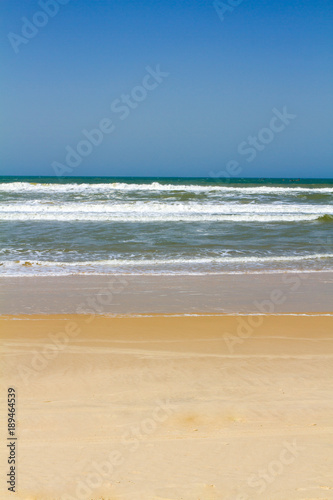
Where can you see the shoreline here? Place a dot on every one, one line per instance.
(43, 316)
(175, 275)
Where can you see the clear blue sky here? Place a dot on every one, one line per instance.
(225, 78)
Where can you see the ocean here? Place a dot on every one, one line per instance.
(83, 225)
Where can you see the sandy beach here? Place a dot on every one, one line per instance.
(170, 407)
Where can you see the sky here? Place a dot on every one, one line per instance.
(166, 88)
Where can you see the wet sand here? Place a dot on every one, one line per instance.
(207, 407)
(132, 294)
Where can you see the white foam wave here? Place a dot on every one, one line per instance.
(162, 212)
(157, 266)
(165, 218)
(190, 261)
(168, 208)
(26, 187)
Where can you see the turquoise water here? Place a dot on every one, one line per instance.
(81, 225)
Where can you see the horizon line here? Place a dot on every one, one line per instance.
(227, 179)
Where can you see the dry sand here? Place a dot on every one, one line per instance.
(170, 408)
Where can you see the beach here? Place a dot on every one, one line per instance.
(170, 406)
(166, 339)
(166, 250)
